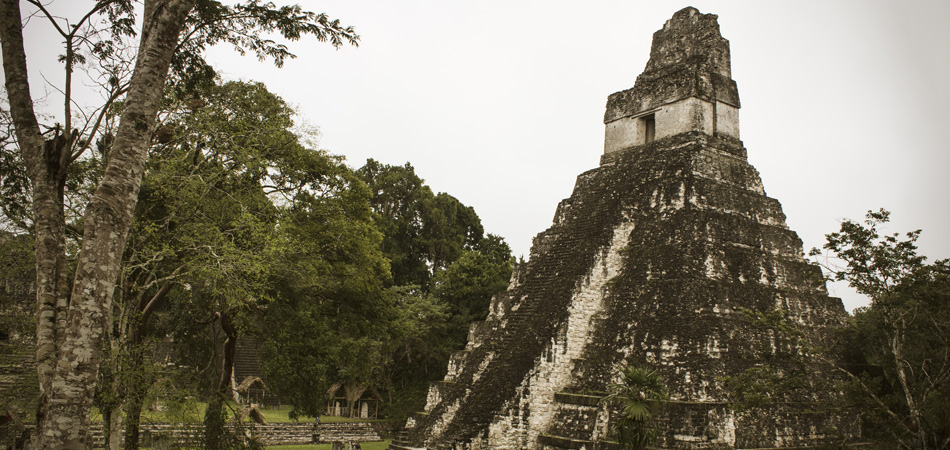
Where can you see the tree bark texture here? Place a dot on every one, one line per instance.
(133, 413)
(70, 325)
(225, 384)
(897, 352)
(137, 390)
(46, 167)
(115, 437)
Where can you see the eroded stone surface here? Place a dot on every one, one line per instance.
(686, 86)
(649, 262)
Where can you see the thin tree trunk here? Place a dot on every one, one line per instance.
(115, 437)
(136, 387)
(897, 351)
(46, 164)
(225, 383)
(136, 370)
(111, 397)
(112, 428)
(107, 424)
(133, 417)
(216, 434)
(70, 326)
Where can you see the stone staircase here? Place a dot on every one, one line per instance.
(401, 441)
(15, 360)
(348, 432)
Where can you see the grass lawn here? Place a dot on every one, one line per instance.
(365, 445)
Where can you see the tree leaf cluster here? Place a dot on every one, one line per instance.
(248, 27)
(638, 396)
(898, 346)
(444, 273)
(422, 232)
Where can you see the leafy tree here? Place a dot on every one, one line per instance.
(331, 344)
(448, 229)
(468, 284)
(418, 348)
(72, 316)
(204, 220)
(235, 209)
(422, 232)
(466, 288)
(444, 272)
(900, 344)
(637, 395)
(398, 197)
(329, 286)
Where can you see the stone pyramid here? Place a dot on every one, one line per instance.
(650, 262)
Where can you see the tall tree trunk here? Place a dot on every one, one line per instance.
(216, 433)
(112, 428)
(70, 326)
(136, 371)
(133, 417)
(136, 383)
(114, 442)
(897, 352)
(46, 164)
(110, 396)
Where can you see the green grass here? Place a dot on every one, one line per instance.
(365, 445)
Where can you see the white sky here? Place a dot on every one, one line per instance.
(845, 103)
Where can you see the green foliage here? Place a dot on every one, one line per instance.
(875, 263)
(422, 232)
(248, 224)
(444, 273)
(330, 287)
(468, 284)
(295, 243)
(899, 346)
(247, 27)
(638, 395)
(15, 188)
(418, 349)
(18, 274)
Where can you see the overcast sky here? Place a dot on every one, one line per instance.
(500, 103)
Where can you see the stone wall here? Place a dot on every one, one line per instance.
(270, 434)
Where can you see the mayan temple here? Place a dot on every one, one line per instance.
(651, 262)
